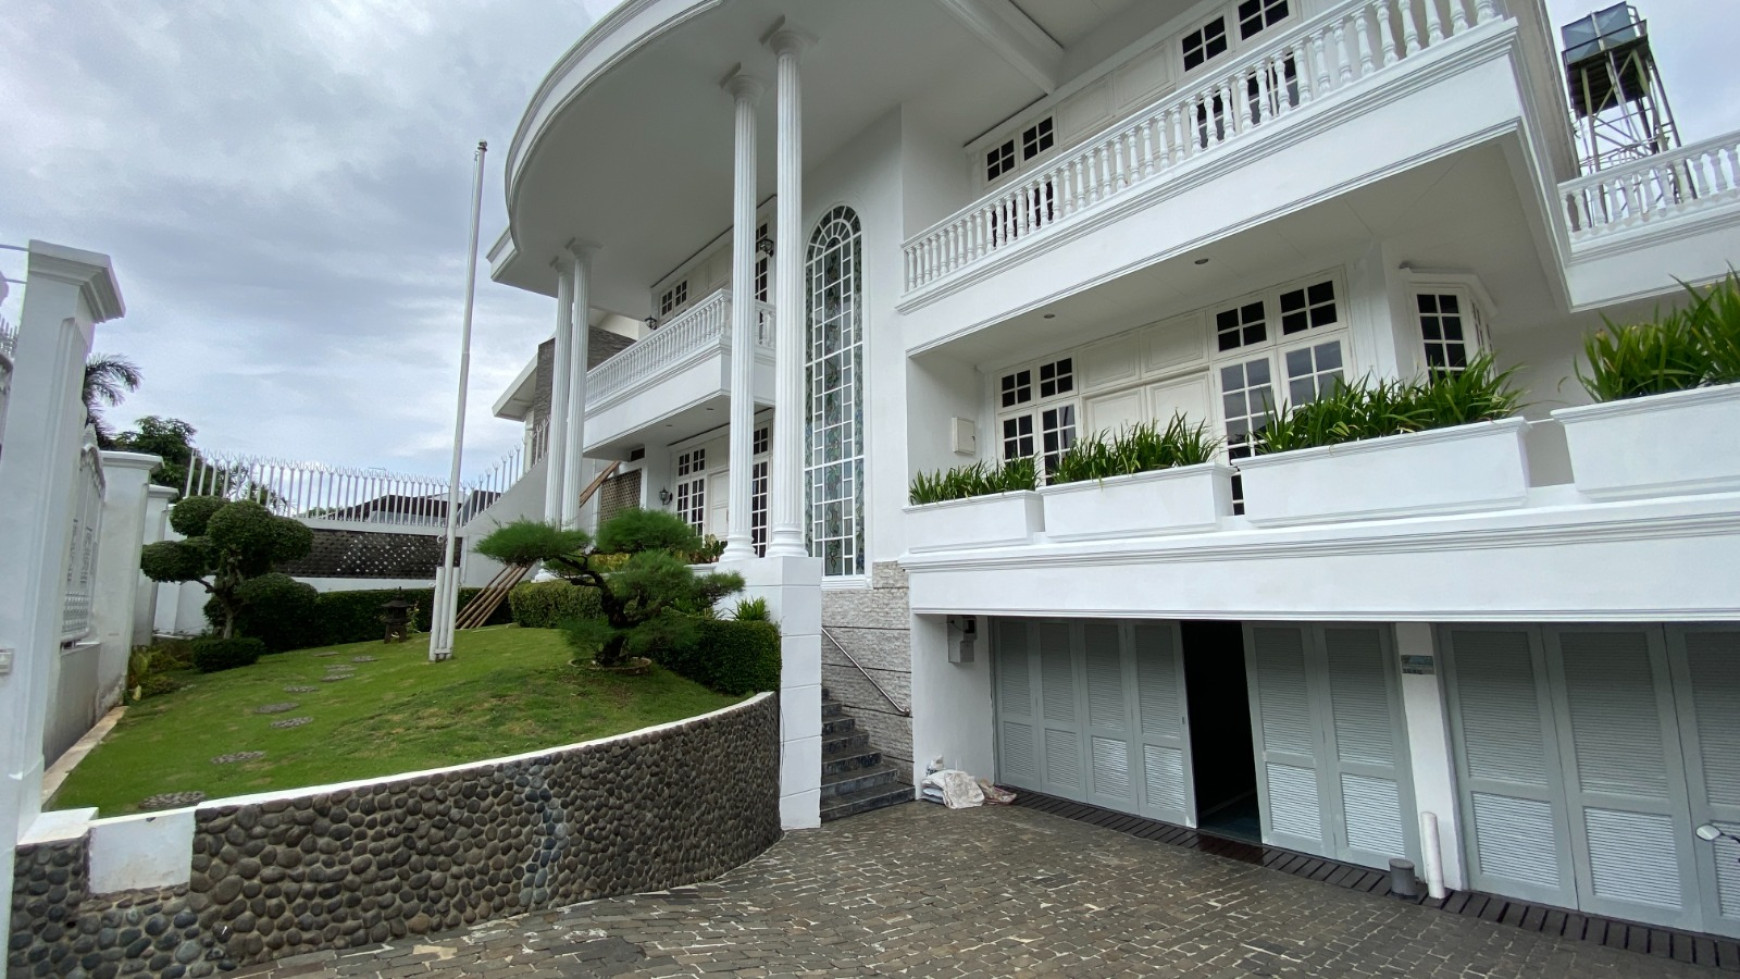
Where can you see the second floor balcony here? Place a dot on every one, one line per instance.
(674, 382)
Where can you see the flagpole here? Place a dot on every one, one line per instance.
(441, 621)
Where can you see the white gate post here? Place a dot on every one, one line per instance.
(157, 500)
(126, 476)
(68, 292)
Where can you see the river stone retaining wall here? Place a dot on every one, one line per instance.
(376, 861)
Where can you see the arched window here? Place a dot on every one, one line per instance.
(834, 379)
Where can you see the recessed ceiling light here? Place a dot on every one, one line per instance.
(1202, 261)
(1051, 316)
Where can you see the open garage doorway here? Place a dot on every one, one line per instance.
(1218, 699)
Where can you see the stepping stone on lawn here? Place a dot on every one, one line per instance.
(362, 659)
(237, 756)
(172, 800)
(330, 652)
(292, 722)
(300, 689)
(335, 677)
(274, 708)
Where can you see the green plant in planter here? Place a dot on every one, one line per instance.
(1374, 409)
(1678, 350)
(1139, 448)
(978, 479)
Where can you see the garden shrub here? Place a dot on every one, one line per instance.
(752, 610)
(212, 654)
(276, 609)
(546, 604)
(355, 616)
(170, 654)
(1691, 347)
(1368, 409)
(728, 656)
(978, 479)
(1139, 448)
(156, 685)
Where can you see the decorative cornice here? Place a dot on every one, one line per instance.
(92, 272)
(741, 85)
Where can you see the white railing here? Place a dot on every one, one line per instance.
(1331, 52)
(703, 326)
(81, 567)
(8, 339)
(339, 494)
(1654, 189)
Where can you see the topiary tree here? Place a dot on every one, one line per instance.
(649, 601)
(227, 542)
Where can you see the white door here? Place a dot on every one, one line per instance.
(718, 504)
(1587, 756)
(1332, 767)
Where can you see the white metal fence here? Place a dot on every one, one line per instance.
(342, 494)
(81, 569)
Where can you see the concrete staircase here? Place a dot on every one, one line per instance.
(855, 779)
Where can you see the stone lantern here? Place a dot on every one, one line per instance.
(397, 616)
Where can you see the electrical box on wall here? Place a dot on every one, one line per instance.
(963, 437)
(963, 636)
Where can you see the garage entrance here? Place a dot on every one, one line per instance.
(1288, 733)
(1587, 757)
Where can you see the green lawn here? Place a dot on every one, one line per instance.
(506, 690)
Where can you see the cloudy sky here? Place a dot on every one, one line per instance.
(283, 185)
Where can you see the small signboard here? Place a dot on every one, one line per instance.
(1421, 665)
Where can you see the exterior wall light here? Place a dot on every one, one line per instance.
(764, 246)
(664, 496)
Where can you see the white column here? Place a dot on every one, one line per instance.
(554, 460)
(786, 530)
(579, 352)
(745, 91)
(69, 292)
(1429, 744)
(126, 476)
(157, 500)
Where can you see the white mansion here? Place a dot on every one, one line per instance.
(858, 241)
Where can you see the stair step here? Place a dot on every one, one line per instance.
(851, 763)
(865, 800)
(846, 783)
(839, 725)
(845, 744)
(832, 708)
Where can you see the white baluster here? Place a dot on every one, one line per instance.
(1484, 10)
(1718, 173)
(1458, 17)
(1363, 29)
(1343, 56)
(1434, 25)
(1150, 146)
(1410, 29)
(1387, 33)
(1318, 43)
(1177, 143)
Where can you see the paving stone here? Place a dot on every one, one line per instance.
(920, 890)
(238, 756)
(275, 708)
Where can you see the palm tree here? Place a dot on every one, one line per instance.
(108, 380)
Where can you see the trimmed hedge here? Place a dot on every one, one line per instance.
(281, 617)
(212, 655)
(546, 604)
(728, 656)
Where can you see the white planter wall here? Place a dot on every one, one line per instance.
(1003, 520)
(1448, 470)
(1165, 501)
(1662, 445)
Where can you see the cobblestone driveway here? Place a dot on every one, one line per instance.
(918, 890)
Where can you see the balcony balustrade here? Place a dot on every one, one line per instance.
(1654, 189)
(1323, 57)
(701, 329)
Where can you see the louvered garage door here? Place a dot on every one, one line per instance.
(1326, 717)
(1586, 758)
(1094, 711)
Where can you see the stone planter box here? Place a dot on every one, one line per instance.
(1663, 445)
(1447, 470)
(1000, 520)
(1165, 501)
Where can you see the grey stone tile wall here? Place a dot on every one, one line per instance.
(360, 866)
(874, 625)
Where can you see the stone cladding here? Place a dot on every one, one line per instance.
(363, 865)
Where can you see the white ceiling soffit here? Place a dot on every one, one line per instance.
(1014, 36)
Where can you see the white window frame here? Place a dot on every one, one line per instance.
(1014, 139)
(827, 237)
(1030, 420)
(690, 481)
(1236, 42)
(1472, 296)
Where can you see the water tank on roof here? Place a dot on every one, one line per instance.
(1618, 104)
